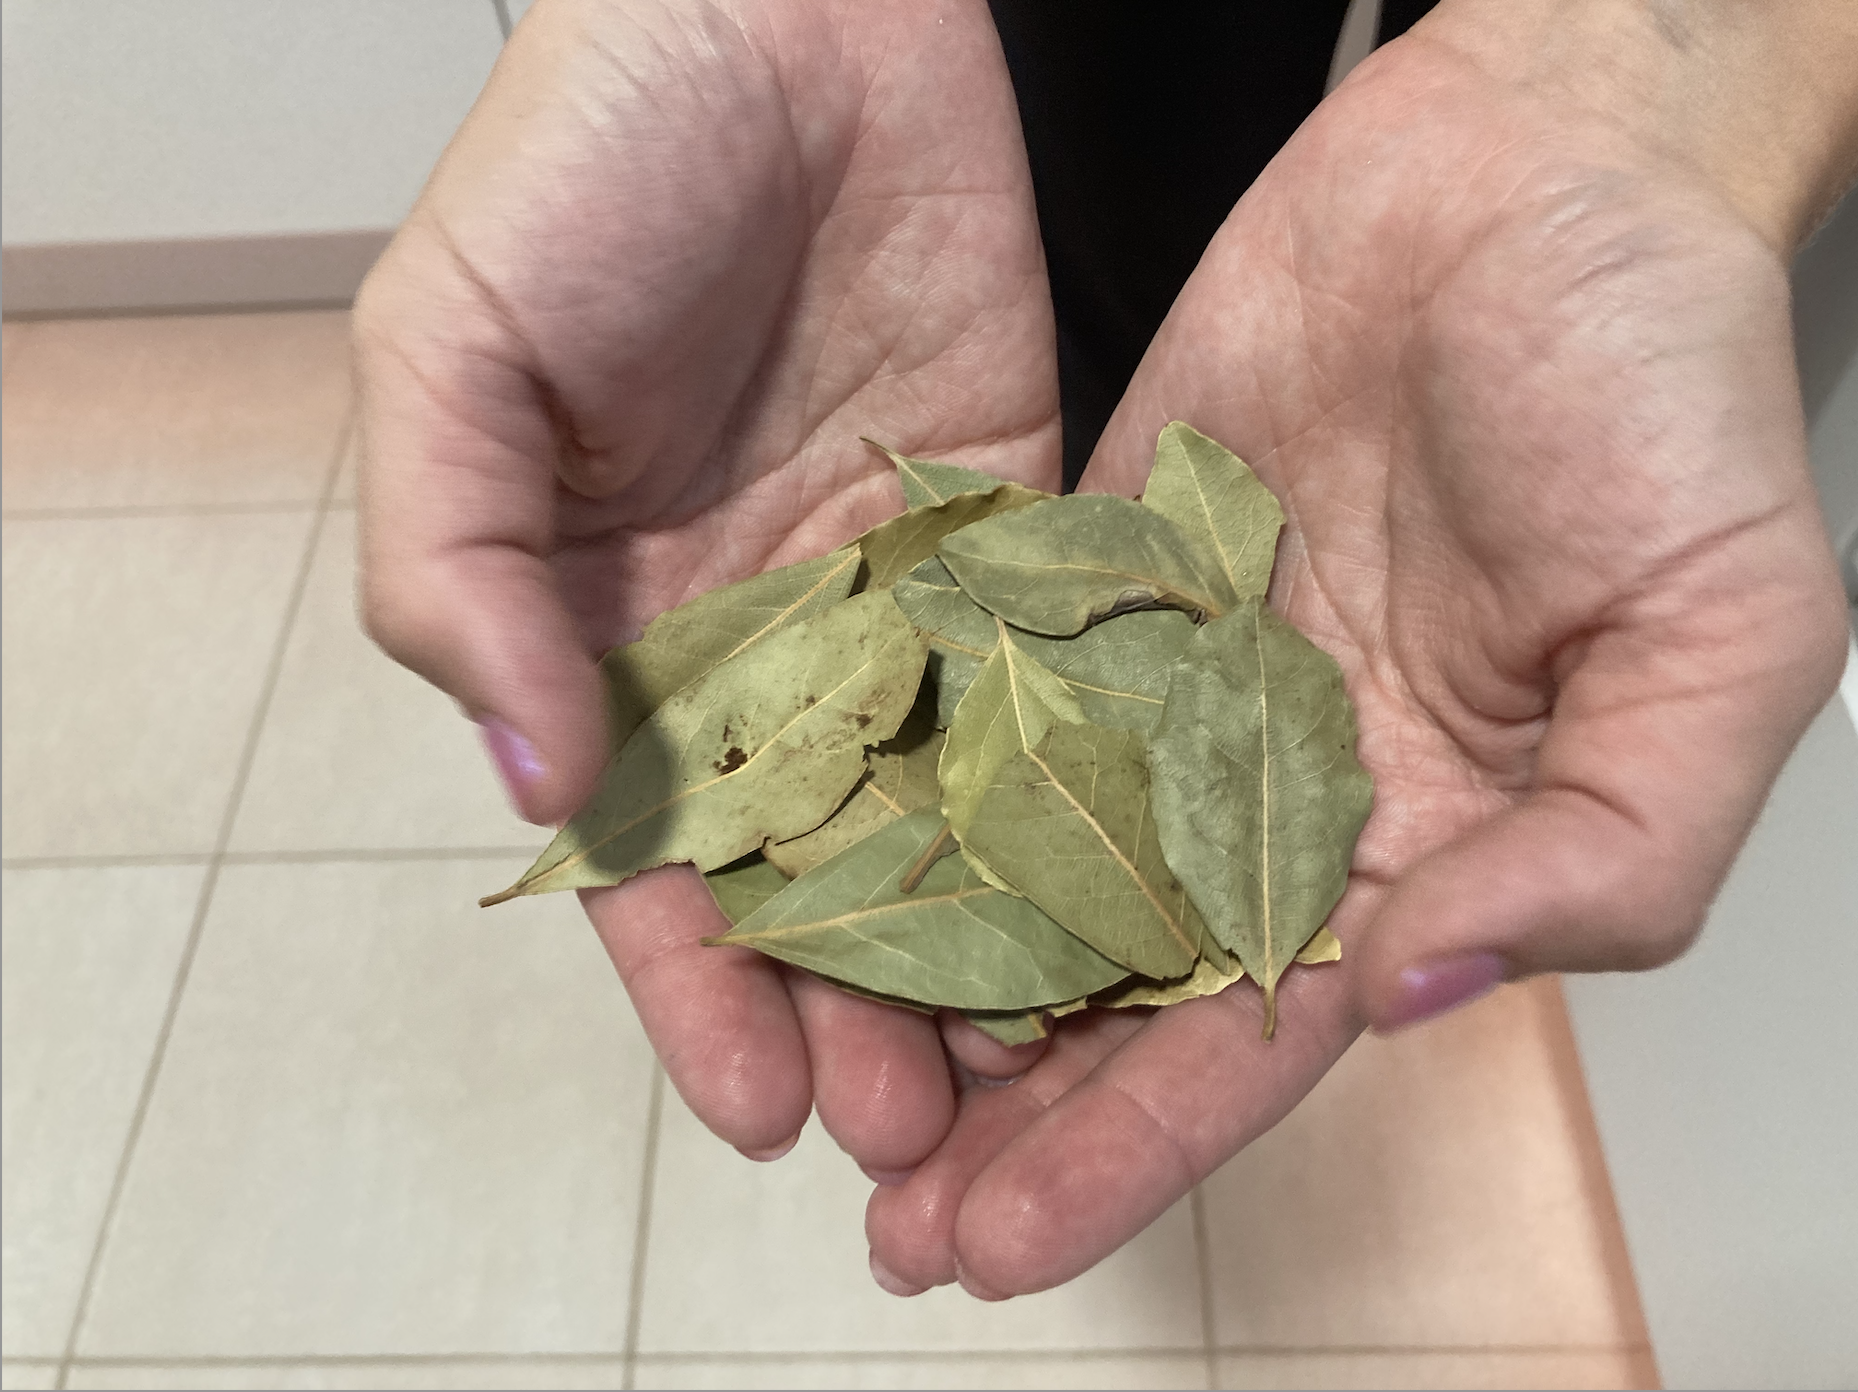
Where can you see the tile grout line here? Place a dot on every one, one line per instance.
(642, 1231)
(1203, 1262)
(274, 666)
(339, 855)
(841, 1355)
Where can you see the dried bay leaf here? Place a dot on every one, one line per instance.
(1067, 823)
(926, 483)
(744, 885)
(763, 747)
(684, 643)
(1219, 504)
(894, 548)
(902, 778)
(1208, 978)
(1011, 1028)
(1257, 791)
(956, 941)
(1324, 946)
(1010, 706)
(961, 634)
(1056, 566)
(1117, 669)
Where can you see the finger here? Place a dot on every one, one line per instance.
(719, 1018)
(880, 1081)
(911, 1228)
(1112, 1153)
(457, 521)
(1662, 744)
(982, 1054)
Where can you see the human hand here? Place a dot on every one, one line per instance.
(678, 259)
(1523, 381)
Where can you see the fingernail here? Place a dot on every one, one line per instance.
(518, 765)
(891, 1283)
(889, 1179)
(762, 1157)
(975, 1288)
(1440, 986)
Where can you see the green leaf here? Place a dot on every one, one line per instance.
(1258, 793)
(1219, 504)
(961, 634)
(1058, 565)
(1007, 710)
(956, 941)
(1068, 825)
(744, 885)
(762, 748)
(926, 483)
(684, 643)
(902, 778)
(1117, 669)
(892, 549)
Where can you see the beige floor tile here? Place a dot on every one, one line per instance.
(359, 752)
(135, 649)
(1051, 1370)
(748, 1258)
(176, 410)
(387, 1124)
(89, 961)
(362, 1374)
(1433, 1190)
(28, 1375)
(1464, 1369)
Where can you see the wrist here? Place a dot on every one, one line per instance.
(1760, 102)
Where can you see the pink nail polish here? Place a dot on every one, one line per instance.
(891, 1283)
(517, 763)
(1440, 986)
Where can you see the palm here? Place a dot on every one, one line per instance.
(751, 260)
(1528, 403)
(645, 320)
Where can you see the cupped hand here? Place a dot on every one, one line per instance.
(1525, 388)
(678, 259)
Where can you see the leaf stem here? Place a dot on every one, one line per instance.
(943, 844)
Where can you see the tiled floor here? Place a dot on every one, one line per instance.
(282, 1110)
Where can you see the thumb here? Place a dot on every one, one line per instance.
(1656, 761)
(457, 521)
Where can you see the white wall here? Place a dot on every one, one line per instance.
(220, 151)
(126, 120)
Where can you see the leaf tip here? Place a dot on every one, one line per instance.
(502, 896)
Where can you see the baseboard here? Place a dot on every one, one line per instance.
(294, 269)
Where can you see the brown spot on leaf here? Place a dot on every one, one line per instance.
(731, 761)
(862, 718)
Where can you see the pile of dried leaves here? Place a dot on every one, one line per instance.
(1008, 753)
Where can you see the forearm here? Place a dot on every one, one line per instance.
(1760, 97)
